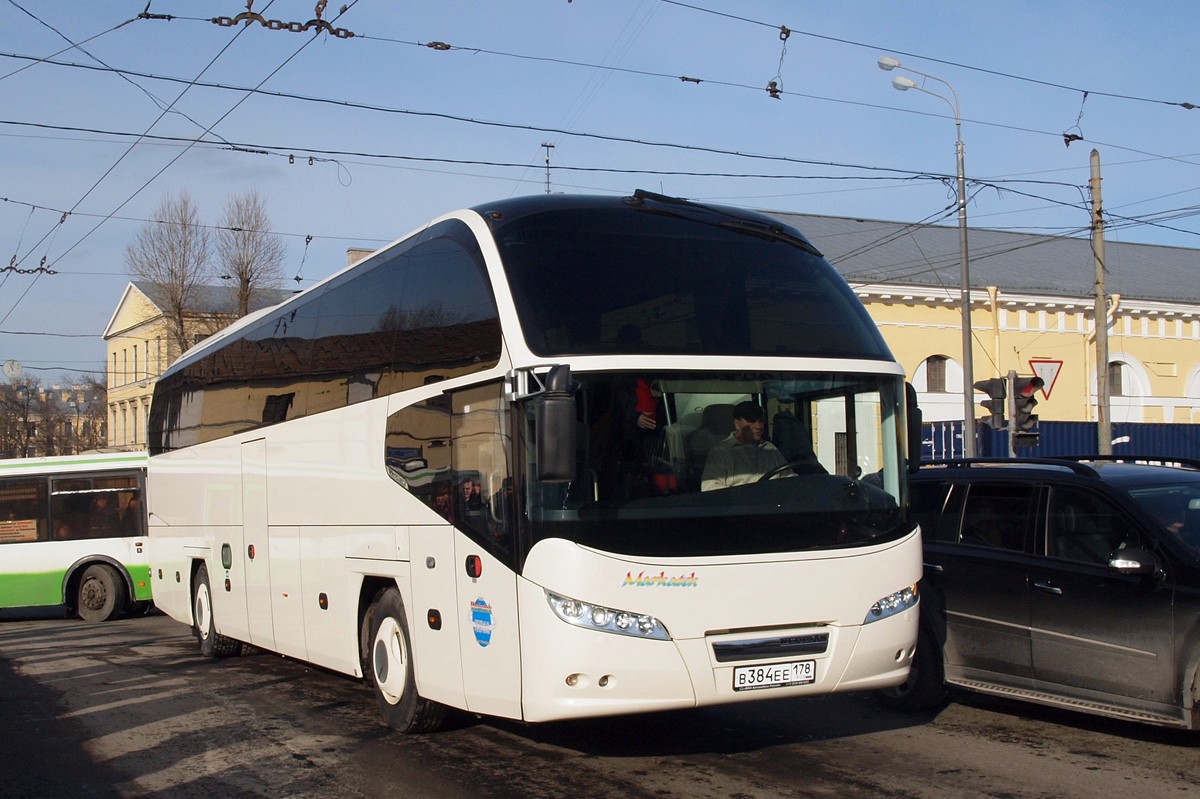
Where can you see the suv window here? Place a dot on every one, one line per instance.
(934, 510)
(1083, 526)
(997, 516)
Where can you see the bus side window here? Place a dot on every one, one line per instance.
(22, 510)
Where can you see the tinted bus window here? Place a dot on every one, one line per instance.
(688, 286)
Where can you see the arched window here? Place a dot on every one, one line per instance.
(935, 374)
(1116, 382)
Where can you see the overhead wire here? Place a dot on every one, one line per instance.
(199, 140)
(560, 131)
(958, 65)
(174, 160)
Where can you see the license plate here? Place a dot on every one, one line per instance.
(776, 675)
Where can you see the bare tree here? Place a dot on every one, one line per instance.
(247, 251)
(20, 412)
(90, 407)
(173, 254)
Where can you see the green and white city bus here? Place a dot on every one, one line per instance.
(73, 533)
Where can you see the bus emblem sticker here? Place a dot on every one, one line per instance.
(481, 621)
(660, 580)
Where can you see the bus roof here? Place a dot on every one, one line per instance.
(93, 461)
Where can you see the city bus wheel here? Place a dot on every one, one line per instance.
(390, 668)
(212, 643)
(101, 595)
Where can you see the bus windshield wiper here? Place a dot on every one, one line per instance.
(770, 232)
(739, 224)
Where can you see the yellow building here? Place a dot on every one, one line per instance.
(140, 348)
(1031, 309)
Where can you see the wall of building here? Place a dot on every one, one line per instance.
(1156, 344)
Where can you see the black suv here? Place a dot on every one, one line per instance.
(1070, 582)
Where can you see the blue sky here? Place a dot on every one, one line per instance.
(400, 132)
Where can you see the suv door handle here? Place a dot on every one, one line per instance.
(1048, 588)
(936, 568)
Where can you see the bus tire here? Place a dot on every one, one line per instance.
(212, 643)
(101, 594)
(390, 668)
(925, 688)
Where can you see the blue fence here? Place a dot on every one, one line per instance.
(941, 440)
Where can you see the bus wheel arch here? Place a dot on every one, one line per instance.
(925, 687)
(389, 668)
(212, 643)
(100, 594)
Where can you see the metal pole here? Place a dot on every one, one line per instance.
(1100, 313)
(548, 147)
(965, 277)
(901, 83)
(1012, 413)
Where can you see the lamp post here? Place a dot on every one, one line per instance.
(902, 83)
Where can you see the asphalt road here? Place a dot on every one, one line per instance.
(129, 709)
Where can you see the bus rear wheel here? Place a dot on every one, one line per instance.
(101, 596)
(390, 668)
(212, 643)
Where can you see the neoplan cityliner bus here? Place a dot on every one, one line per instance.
(424, 470)
(73, 533)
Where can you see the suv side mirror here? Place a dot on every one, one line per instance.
(1134, 561)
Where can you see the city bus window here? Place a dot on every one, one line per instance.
(100, 507)
(22, 510)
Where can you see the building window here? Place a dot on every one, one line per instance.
(935, 374)
(1116, 386)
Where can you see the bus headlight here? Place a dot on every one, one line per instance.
(606, 620)
(892, 604)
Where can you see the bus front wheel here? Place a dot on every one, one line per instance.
(212, 643)
(390, 668)
(101, 596)
(925, 688)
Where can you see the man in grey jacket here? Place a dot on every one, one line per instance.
(744, 456)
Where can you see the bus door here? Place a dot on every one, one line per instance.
(489, 638)
(488, 634)
(255, 549)
(452, 453)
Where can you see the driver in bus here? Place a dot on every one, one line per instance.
(744, 456)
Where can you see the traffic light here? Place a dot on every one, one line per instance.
(997, 390)
(1024, 401)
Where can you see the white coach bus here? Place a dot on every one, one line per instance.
(470, 469)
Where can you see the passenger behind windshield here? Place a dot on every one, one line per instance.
(744, 457)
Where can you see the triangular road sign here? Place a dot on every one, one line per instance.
(1048, 371)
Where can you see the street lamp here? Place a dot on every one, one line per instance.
(902, 83)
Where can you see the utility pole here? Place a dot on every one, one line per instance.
(1100, 312)
(549, 146)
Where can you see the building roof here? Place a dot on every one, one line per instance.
(220, 299)
(869, 252)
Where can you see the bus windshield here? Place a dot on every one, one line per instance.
(692, 281)
(667, 468)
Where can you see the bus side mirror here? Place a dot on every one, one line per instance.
(556, 427)
(913, 414)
